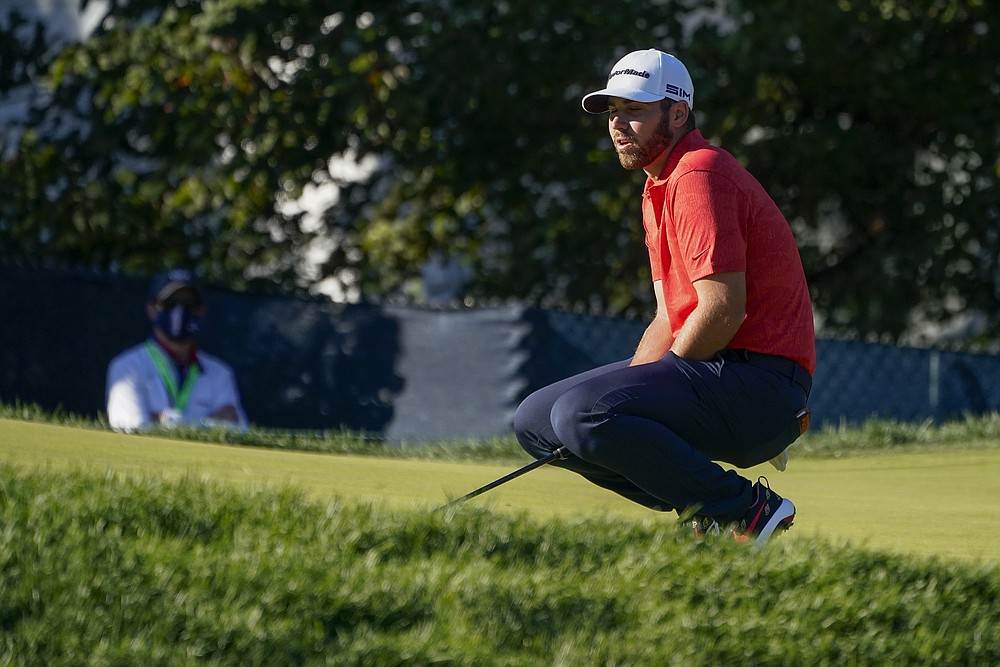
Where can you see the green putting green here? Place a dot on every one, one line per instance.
(937, 503)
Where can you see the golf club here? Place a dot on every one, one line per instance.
(559, 453)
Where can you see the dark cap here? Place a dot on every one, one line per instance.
(166, 283)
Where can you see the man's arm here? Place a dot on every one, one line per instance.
(124, 403)
(721, 309)
(227, 413)
(712, 324)
(657, 339)
(229, 410)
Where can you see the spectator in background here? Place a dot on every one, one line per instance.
(166, 380)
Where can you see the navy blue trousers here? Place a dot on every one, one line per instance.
(653, 433)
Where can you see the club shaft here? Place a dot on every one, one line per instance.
(558, 453)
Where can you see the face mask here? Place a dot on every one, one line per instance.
(178, 322)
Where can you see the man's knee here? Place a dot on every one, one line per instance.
(572, 423)
(528, 427)
(524, 423)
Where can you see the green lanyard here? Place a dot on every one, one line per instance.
(178, 397)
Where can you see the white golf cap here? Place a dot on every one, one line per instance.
(644, 76)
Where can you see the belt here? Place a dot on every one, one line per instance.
(783, 365)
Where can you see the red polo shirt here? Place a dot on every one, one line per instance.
(706, 214)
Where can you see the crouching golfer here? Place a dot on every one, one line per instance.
(723, 371)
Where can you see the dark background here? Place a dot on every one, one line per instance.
(407, 373)
(165, 139)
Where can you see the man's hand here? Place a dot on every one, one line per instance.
(227, 413)
(170, 417)
(658, 337)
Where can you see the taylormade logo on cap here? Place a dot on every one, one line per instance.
(644, 76)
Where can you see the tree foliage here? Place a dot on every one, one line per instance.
(180, 131)
(874, 126)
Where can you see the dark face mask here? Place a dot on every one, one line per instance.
(179, 322)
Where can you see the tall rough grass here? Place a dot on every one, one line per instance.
(136, 571)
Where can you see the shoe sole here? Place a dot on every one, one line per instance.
(780, 520)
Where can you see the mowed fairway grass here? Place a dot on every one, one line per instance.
(941, 502)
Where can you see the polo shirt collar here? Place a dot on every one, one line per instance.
(182, 364)
(689, 142)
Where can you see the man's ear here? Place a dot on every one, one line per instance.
(681, 112)
(150, 311)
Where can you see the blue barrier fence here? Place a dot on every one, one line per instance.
(406, 373)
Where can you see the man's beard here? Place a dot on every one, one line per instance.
(640, 155)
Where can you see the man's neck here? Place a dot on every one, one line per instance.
(181, 351)
(655, 168)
